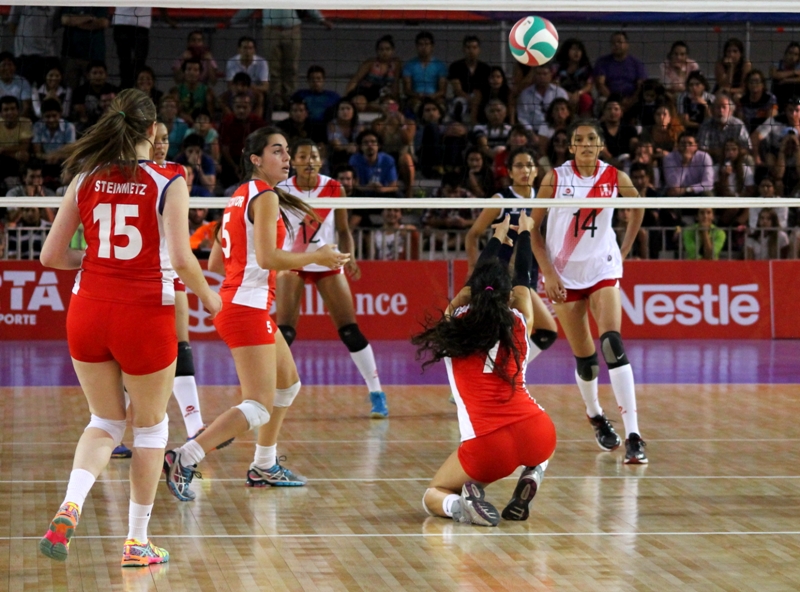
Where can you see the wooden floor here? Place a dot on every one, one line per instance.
(718, 508)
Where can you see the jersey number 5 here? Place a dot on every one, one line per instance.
(588, 223)
(226, 237)
(102, 215)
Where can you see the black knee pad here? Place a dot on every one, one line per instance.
(544, 338)
(613, 350)
(289, 333)
(185, 365)
(588, 367)
(352, 337)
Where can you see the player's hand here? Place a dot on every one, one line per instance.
(352, 270)
(327, 256)
(525, 222)
(501, 231)
(212, 303)
(555, 289)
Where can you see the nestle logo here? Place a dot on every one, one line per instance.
(689, 304)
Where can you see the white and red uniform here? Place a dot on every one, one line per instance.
(307, 234)
(502, 427)
(123, 296)
(248, 290)
(172, 168)
(581, 243)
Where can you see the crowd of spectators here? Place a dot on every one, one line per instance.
(418, 126)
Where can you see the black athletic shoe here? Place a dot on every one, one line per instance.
(527, 486)
(606, 437)
(634, 450)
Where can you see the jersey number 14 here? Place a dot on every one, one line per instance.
(588, 223)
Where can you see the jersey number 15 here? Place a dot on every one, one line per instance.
(102, 215)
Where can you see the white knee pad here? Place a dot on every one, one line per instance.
(424, 505)
(113, 427)
(152, 437)
(285, 397)
(254, 412)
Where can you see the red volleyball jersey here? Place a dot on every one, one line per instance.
(126, 258)
(485, 401)
(245, 282)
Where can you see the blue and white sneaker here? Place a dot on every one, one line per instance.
(121, 451)
(379, 408)
(179, 477)
(275, 476)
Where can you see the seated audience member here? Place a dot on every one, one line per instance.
(496, 89)
(518, 136)
(376, 173)
(26, 244)
(785, 75)
(424, 76)
(731, 68)
(86, 108)
(676, 68)
(346, 175)
(146, 82)
(34, 44)
(297, 124)
(641, 244)
(645, 153)
(201, 164)
(785, 165)
(660, 239)
(556, 154)
(469, 79)
(241, 83)
(16, 134)
(203, 128)
(318, 99)
(202, 239)
(687, 170)
(176, 126)
(650, 96)
(757, 104)
(391, 241)
(50, 135)
(429, 140)
(620, 138)
(478, 178)
(192, 93)
(377, 76)
(734, 177)
(559, 116)
(533, 102)
(233, 130)
(665, 131)
(703, 240)
(768, 241)
(246, 61)
(722, 126)
(12, 84)
(196, 49)
(619, 73)
(496, 128)
(694, 104)
(32, 186)
(769, 136)
(195, 190)
(343, 130)
(572, 71)
(451, 219)
(766, 188)
(52, 89)
(398, 136)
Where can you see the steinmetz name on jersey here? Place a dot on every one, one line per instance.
(126, 258)
(581, 243)
(308, 234)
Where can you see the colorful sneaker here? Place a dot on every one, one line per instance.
(606, 437)
(634, 450)
(179, 477)
(219, 446)
(473, 509)
(55, 542)
(121, 451)
(452, 398)
(379, 408)
(527, 486)
(276, 476)
(138, 554)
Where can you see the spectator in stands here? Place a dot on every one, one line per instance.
(769, 135)
(203, 128)
(50, 135)
(377, 76)
(27, 244)
(694, 104)
(785, 165)
(645, 153)
(478, 178)
(34, 43)
(15, 138)
(453, 218)
(12, 84)
(619, 73)
(703, 240)
(376, 172)
(722, 126)
(469, 79)
(84, 40)
(768, 241)
(192, 93)
(251, 64)
(518, 137)
(641, 244)
(317, 98)
(688, 171)
(197, 216)
(397, 134)
(785, 75)
(32, 186)
(146, 82)
(346, 175)
(201, 164)
(620, 138)
(676, 68)
(734, 177)
(558, 116)
(665, 131)
(424, 76)
(496, 128)
(757, 104)
(731, 68)
(661, 239)
(642, 178)
(343, 130)
(242, 84)
(298, 125)
(168, 115)
(533, 102)
(196, 51)
(131, 25)
(572, 71)
(233, 130)
(52, 89)
(391, 240)
(650, 96)
(429, 140)
(498, 89)
(86, 109)
(195, 189)
(767, 189)
(557, 153)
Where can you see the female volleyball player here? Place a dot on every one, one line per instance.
(521, 164)
(483, 339)
(251, 233)
(582, 263)
(311, 234)
(121, 319)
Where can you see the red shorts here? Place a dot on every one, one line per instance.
(584, 293)
(315, 276)
(244, 326)
(498, 454)
(141, 338)
(179, 285)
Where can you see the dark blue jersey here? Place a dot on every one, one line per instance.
(505, 250)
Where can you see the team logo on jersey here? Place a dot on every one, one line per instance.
(605, 190)
(567, 191)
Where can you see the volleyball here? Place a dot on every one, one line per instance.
(533, 41)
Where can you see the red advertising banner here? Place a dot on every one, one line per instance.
(785, 283)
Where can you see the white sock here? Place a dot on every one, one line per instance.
(533, 351)
(185, 390)
(589, 393)
(191, 453)
(138, 518)
(365, 362)
(447, 504)
(625, 393)
(266, 456)
(80, 482)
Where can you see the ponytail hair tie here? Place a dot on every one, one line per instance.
(489, 288)
(122, 113)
